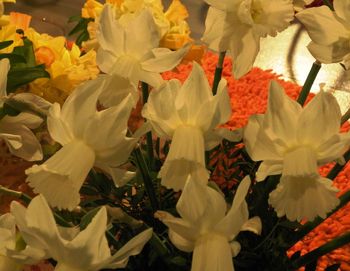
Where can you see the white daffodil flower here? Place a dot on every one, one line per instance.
(207, 228)
(238, 25)
(89, 138)
(15, 131)
(294, 141)
(74, 250)
(190, 116)
(131, 51)
(329, 31)
(8, 240)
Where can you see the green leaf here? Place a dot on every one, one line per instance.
(80, 26)
(9, 110)
(84, 36)
(74, 18)
(13, 58)
(86, 219)
(21, 76)
(5, 44)
(27, 52)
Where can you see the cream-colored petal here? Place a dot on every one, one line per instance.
(212, 253)
(194, 92)
(193, 201)
(232, 223)
(322, 25)
(342, 9)
(304, 198)
(112, 123)
(30, 120)
(131, 248)
(141, 35)
(165, 59)
(180, 242)
(258, 143)
(253, 225)
(116, 89)
(20, 140)
(80, 106)
(244, 47)
(333, 148)
(4, 68)
(186, 156)
(60, 178)
(59, 129)
(319, 120)
(90, 246)
(217, 32)
(332, 53)
(178, 225)
(282, 113)
(105, 60)
(110, 34)
(268, 168)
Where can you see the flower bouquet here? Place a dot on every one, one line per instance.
(123, 149)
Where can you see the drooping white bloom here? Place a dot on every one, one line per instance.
(190, 116)
(89, 138)
(15, 131)
(238, 25)
(131, 51)
(74, 250)
(294, 141)
(207, 228)
(329, 31)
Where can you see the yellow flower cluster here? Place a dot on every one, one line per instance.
(66, 66)
(63, 61)
(172, 25)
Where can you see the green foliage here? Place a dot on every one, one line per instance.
(23, 68)
(80, 29)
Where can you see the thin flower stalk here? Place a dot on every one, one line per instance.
(218, 72)
(316, 66)
(149, 137)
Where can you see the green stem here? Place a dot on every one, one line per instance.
(345, 117)
(309, 226)
(218, 72)
(316, 66)
(322, 250)
(19, 195)
(149, 138)
(147, 179)
(338, 167)
(267, 236)
(329, 4)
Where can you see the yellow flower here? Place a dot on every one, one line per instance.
(8, 32)
(67, 68)
(4, 19)
(91, 9)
